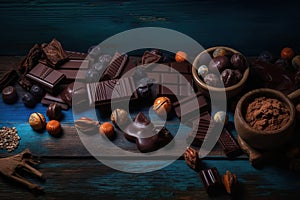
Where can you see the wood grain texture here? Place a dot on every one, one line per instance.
(246, 26)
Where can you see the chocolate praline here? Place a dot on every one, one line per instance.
(67, 93)
(9, 95)
(238, 61)
(218, 64)
(29, 100)
(54, 111)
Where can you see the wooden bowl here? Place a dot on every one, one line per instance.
(204, 58)
(263, 139)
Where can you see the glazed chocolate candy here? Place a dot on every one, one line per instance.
(29, 100)
(54, 111)
(146, 88)
(218, 64)
(9, 95)
(229, 77)
(211, 181)
(37, 92)
(202, 71)
(238, 61)
(220, 52)
(212, 80)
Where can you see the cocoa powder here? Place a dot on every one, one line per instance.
(267, 114)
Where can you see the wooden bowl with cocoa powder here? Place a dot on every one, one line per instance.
(265, 118)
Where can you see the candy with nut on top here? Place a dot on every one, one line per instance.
(37, 121)
(162, 105)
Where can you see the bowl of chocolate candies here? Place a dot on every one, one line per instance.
(220, 69)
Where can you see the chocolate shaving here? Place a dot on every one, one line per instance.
(32, 58)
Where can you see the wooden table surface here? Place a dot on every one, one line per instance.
(71, 172)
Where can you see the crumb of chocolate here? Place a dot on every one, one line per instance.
(267, 114)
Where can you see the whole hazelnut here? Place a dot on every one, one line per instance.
(287, 53)
(180, 56)
(162, 105)
(221, 117)
(107, 129)
(37, 121)
(54, 111)
(220, 52)
(53, 127)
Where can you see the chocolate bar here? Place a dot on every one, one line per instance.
(115, 68)
(73, 55)
(49, 99)
(46, 77)
(75, 65)
(185, 110)
(229, 144)
(74, 69)
(212, 181)
(101, 93)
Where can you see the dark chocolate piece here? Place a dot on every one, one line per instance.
(229, 144)
(73, 55)
(54, 54)
(189, 110)
(32, 58)
(8, 78)
(29, 100)
(25, 83)
(9, 95)
(147, 137)
(75, 91)
(211, 181)
(49, 99)
(101, 93)
(71, 74)
(115, 68)
(150, 57)
(46, 77)
(192, 159)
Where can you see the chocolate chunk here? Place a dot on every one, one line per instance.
(211, 181)
(192, 159)
(46, 77)
(25, 83)
(229, 144)
(9, 95)
(150, 57)
(8, 78)
(185, 110)
(49, 99)
(115, 68)
(31, 59)
(147, 137)
(54, 54)
(101, 93)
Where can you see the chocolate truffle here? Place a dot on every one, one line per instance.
(212, 80)
(37, 92)
(29, 100)
(218, 64)
(287, 53)
(54, 111)
(202, 71)
(296, 62)
(180, 56)
(220, 52)
(162, 106)
(119, 117)
(107, 129)
(238, 61)
(229, 77)
(9, 95)
(37, 121)
(53, 127)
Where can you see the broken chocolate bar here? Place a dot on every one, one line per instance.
(46, 77)
(150, 57)
(115, 68)
(49, 99)
(104, 92)
(212, 181)
(229, 144)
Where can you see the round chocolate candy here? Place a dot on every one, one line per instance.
(266, 56)
(29, 100)
(296, 62)
(37, 121)
(37, 92)
(212, 80)
(230, 77)
(202, 71)
(92, 75)
(107, 129)
(162, 106)
(221, 117)
(53, 127)
(67, 94)
(238, 61)
(119, 117)
(54, 111)
(218, 64)
(180, 56)
(220, 52)
(287, 53)
(9, 95)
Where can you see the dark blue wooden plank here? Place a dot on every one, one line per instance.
(250, 27)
